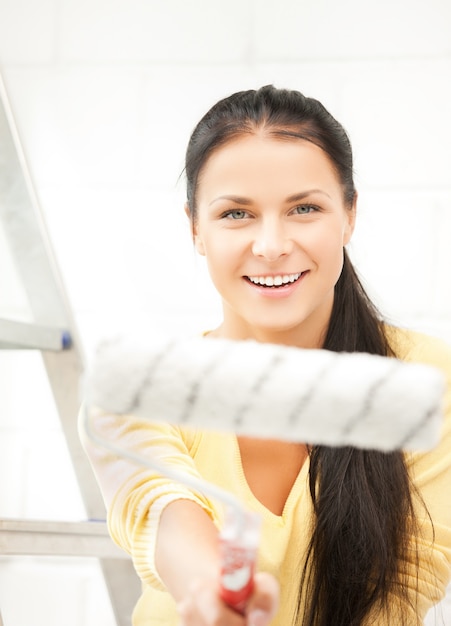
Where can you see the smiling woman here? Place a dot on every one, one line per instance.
(268, 210)
(350, 537)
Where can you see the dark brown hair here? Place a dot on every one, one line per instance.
(362, 499)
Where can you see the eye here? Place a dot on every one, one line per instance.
(304, 209)
(235, 214)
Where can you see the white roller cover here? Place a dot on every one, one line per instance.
(270, 391)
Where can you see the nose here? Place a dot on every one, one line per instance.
(271, 241)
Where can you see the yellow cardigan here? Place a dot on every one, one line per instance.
(136, 496)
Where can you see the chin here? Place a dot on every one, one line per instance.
(288, 326)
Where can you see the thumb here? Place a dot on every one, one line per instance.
(264, 602)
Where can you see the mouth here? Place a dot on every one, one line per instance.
(274, 282)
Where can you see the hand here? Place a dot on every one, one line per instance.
(203, 606)
(264, 602)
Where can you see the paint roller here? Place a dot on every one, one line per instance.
(262, 390)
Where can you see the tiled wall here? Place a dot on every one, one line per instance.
(105, 95)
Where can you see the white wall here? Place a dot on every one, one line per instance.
(105, 94)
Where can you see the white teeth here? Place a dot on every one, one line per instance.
(274, 281)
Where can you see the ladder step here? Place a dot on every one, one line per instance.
(16, 335)
(50, 538)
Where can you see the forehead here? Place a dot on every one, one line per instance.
(255, 164)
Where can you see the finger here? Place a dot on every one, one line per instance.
(264, 602)
(203, 607)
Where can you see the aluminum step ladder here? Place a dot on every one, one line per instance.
(53, 332)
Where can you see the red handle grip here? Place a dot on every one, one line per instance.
(237, 575)
(238, 547)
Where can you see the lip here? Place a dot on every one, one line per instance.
(276, 292)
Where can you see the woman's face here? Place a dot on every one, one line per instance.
(271, 222)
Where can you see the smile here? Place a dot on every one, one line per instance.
(274, 281)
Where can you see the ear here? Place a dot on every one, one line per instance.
(351, 214)
(194, 233)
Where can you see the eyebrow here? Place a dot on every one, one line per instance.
(293, 198)
(232, 198)
(305, 194)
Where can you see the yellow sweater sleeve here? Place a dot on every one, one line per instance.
(134, 494)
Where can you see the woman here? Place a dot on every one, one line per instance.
(350, 537)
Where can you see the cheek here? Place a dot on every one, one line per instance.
(223, 247)
(325, 242)
(220, 256)
(227, 260)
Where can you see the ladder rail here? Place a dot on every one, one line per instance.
(37, 267)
